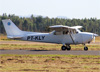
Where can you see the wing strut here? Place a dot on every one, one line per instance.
(71, 37)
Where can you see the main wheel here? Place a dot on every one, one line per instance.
(85, 48)
(68, 47)
(63, 48)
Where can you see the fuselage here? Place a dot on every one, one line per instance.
(78, 38)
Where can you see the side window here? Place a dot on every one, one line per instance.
(65, 32)
(57, 33)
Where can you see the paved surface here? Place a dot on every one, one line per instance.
(49, 52)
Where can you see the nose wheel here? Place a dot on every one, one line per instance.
(67, 47)
(85, 48)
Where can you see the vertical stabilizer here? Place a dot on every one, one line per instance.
(11, 29)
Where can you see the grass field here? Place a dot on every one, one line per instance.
(49, 63)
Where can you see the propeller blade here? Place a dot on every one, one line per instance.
(94, 39)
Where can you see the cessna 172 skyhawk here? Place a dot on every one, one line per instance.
(61, 35)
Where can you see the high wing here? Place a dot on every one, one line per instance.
(64, 27)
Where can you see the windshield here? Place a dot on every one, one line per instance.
(77, 30)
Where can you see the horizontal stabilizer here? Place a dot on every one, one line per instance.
(12, 37)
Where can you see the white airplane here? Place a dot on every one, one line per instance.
(61, 35)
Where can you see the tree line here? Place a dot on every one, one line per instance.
(41, 24)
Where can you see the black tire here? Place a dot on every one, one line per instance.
(85, 48)
(63, 48)
(68, 48)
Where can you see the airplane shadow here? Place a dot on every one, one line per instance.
(57, 50)
(43, 50)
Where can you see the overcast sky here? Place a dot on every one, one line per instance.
(52, 8)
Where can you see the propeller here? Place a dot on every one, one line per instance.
(94, 35)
